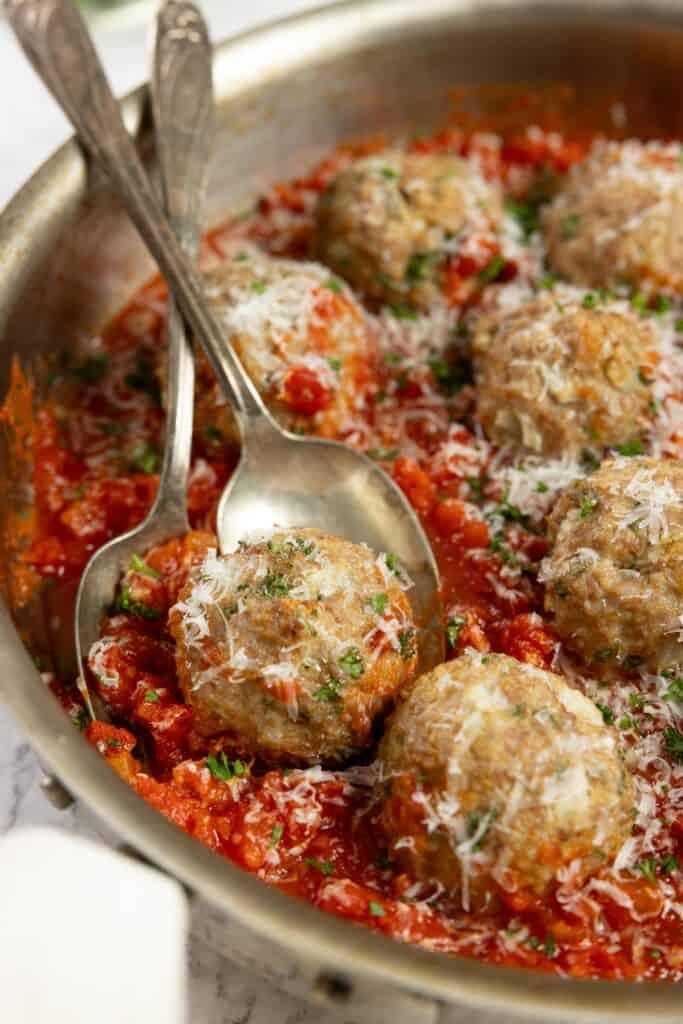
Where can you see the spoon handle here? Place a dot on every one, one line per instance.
(56, 41)
(182, 103)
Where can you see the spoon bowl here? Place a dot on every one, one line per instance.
(284, 480)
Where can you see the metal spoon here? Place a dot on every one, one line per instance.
(182, 104)
(281, 478)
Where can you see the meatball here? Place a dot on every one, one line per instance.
(497, 774)
(302, 337)
(619, 218)
(294, 645)
(562, 372)
(388, 223)
(614, 574)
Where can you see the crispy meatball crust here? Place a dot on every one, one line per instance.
(614, 575)
(304, 340)
(497, 773)
(388, 222)
(619, 218)
(294, 646)
(553, 376)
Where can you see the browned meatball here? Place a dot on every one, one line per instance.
(614, 574)
(294, 645)
(304, 340)
(387, 223)
(564, 371)
(497, 773)
(619, 218)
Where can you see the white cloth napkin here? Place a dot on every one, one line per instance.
(87, 935)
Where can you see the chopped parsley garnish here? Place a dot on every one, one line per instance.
(419, 265)
(151, 697)
(382, 454)
(607, 714)
(639, 302)
(93, 369)
(329, 691)
(407, 643)
(379, 603)
(590, 300)
(335, 363)
(587, 505)
(146, 459)
(223, 769)
(505, 553)
(276, 834)
(392, 564)
(403, 312)
(549, 947)
(450, 379)
(590, 459)
(512, 513)
(333, 284)
(669, 864)
(492, 270)
(275, 585)
(526, 215)
(547, 283)
(376, 909)
(453, 628)
(214, 434)
(114, 743)
(138, 565)
(389, 173)
(144, 378)
(570, 225)
(647, 868)
(630, 448)
(325, 867)
(259, 287)
(604, 655)
(625, 722)
(81, 719)
(673, 743)
(541, 488)
(477, 488)
(674, 691)
(127, 603)
(352, 663)
(661, 305)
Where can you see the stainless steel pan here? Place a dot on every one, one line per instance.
(69, 260)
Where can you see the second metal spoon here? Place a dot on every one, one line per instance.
(182, 102)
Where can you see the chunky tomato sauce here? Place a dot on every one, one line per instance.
(96, 449)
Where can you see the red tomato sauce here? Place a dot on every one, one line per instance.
(311, 832)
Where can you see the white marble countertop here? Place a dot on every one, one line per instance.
(33, 127)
